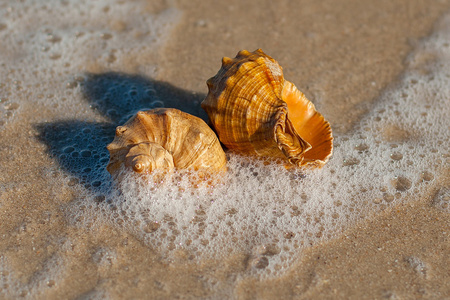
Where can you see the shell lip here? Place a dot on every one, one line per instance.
(310, 125)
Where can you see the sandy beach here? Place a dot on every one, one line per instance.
(373, 223)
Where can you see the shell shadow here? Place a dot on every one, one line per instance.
(119, 96)
(80, 149)
(80, 146)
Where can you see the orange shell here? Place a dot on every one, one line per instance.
(254, 110)
(165, 138)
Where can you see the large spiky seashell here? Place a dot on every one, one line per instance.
(254, 110)
(165, 138)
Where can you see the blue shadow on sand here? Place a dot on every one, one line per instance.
(80, 146)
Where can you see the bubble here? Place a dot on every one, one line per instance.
(260, 262)
(388, 197)
(51, 283)
(269, 250)
(426, 176)
(106, 36)
(86, 153)
(396, 156)
(55, 56)
(362, 147)
(151, 227)
(53, 38)
(401, 183)
(351, 161)
(99, 198)
(377, 200)
(73, 181)
(12, 106)
(68, 149)
(289, 235)
(157, 104)
(295, 211)
(96, 183)
(395, 133)
(71, 84)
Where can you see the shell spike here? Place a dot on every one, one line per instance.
(120, 130)
(259, 50)
(244, 53)
(140, 115)
(226, 61)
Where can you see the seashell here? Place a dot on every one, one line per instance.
(165, 138)
(254, 110)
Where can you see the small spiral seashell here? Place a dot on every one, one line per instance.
(164, 139)
(254, 110)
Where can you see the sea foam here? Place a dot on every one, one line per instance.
(397, 153)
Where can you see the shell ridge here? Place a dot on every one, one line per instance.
(203, 152)
(189, 157)
(167, 123)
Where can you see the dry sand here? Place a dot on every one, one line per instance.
(341, 54)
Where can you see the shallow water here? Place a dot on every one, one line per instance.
(74, 70)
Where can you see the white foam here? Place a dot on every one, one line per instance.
(395, 154)
(43, 43)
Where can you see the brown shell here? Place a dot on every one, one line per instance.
(254, 110)
(165, 138)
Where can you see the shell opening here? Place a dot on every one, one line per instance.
(310, 125)
(289, 142)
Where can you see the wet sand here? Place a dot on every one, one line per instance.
(342, 56)
(396, 255)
